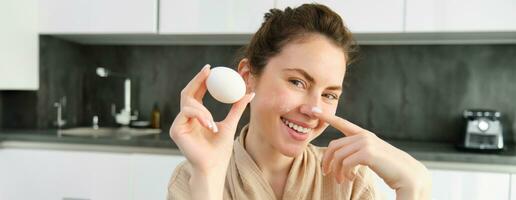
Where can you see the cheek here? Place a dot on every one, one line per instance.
(277, 101)
(283, 105)
(332, 109)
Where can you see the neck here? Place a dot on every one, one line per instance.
(268, 159)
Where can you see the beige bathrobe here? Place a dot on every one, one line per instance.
(244, 179)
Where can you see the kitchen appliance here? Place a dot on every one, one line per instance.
(483, 130)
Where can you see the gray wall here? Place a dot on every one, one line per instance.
(62, 67)
(419, 92)
(159, 74)
(413, 92)
(18, 109)
(1, 110)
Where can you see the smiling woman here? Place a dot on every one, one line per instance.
(295, 65)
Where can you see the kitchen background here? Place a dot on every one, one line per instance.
(421, 64)
(401, 92)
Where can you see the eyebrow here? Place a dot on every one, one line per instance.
(310, 78)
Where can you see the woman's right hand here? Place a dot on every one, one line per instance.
(206, 144)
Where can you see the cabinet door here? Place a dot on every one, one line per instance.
(97, 16)
(460, 15)
(362, 16)
(212, 17)
(46, 174)
(152, 174)
(448, 184)
(19, 45)
(513, 187)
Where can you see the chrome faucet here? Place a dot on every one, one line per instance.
(60, 122)
(125, 116)
(95, 122)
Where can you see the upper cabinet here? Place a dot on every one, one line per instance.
(19, 45)
(362, 16)
(234, 21)
(98, 16)
(212, 17)
(460, 15)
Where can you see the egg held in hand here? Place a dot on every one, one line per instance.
(225, 85)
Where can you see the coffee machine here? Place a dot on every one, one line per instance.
(483, 130)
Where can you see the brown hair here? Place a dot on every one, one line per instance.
(280, 27)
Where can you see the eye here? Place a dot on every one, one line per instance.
(297, 83)
(331, 96)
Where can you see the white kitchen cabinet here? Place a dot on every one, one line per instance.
(460, 15)
(362, 16)
(53, 174)
(212, 17)
(44, 174)
(19, 50)
(152, 173)
(461, 185)
(98, 16)
(465, 185)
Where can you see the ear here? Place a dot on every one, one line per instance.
(244, 69)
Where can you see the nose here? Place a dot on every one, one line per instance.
(306, 108)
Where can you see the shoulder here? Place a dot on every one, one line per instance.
(178, 187)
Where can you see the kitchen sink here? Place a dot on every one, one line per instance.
(119, 133)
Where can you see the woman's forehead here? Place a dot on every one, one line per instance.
(317, 57)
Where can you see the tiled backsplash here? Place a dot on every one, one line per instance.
(413, 92)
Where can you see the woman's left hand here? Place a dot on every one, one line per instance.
(399, 170)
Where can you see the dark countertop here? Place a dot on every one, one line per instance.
(424, 151)
(155, 141)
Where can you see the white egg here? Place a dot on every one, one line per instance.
(225, 85)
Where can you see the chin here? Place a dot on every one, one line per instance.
(292, 150)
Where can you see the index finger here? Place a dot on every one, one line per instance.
(346, 127)
(197, 82)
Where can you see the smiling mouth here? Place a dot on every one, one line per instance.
(296, 127)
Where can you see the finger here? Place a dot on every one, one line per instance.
(195, 113)
(341, 155)
(197, 82)
(238, 109)
(330, 150)
(346, 127)
(199, 94)
(348, 173)
(353, 172)
(196, 104)
(350, 164)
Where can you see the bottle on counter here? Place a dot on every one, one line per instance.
(155, 116)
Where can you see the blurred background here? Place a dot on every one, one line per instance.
(89, 88)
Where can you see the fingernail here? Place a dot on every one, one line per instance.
(215, 129)
(209, 124)
(252, 96)
(205, 66)
(316, 110)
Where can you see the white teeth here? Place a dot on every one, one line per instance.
(296, 127)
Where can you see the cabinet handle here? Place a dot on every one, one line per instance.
(73, 198)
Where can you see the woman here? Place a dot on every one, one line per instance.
(295, 65)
